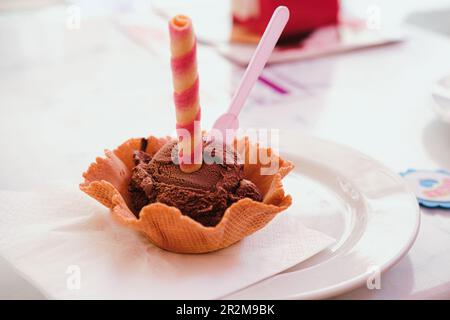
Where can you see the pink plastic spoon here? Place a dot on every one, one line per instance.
(228, 122)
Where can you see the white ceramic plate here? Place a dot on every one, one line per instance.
(358, 201)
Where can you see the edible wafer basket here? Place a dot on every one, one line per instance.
(107, 179)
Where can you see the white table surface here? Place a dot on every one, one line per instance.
(65, 95)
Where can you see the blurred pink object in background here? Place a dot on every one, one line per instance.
(250, 17)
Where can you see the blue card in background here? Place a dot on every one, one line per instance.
(432, 188)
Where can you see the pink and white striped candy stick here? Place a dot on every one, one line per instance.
(185, 82)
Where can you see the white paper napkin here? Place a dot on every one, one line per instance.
(69, 247)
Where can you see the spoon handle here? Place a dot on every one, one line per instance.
(262, 53)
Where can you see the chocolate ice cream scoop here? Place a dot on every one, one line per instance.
(203, 195)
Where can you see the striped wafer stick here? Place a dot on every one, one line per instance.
(186, 97)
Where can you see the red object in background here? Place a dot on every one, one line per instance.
(305, 15)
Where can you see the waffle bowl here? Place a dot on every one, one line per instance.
(107, 179)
